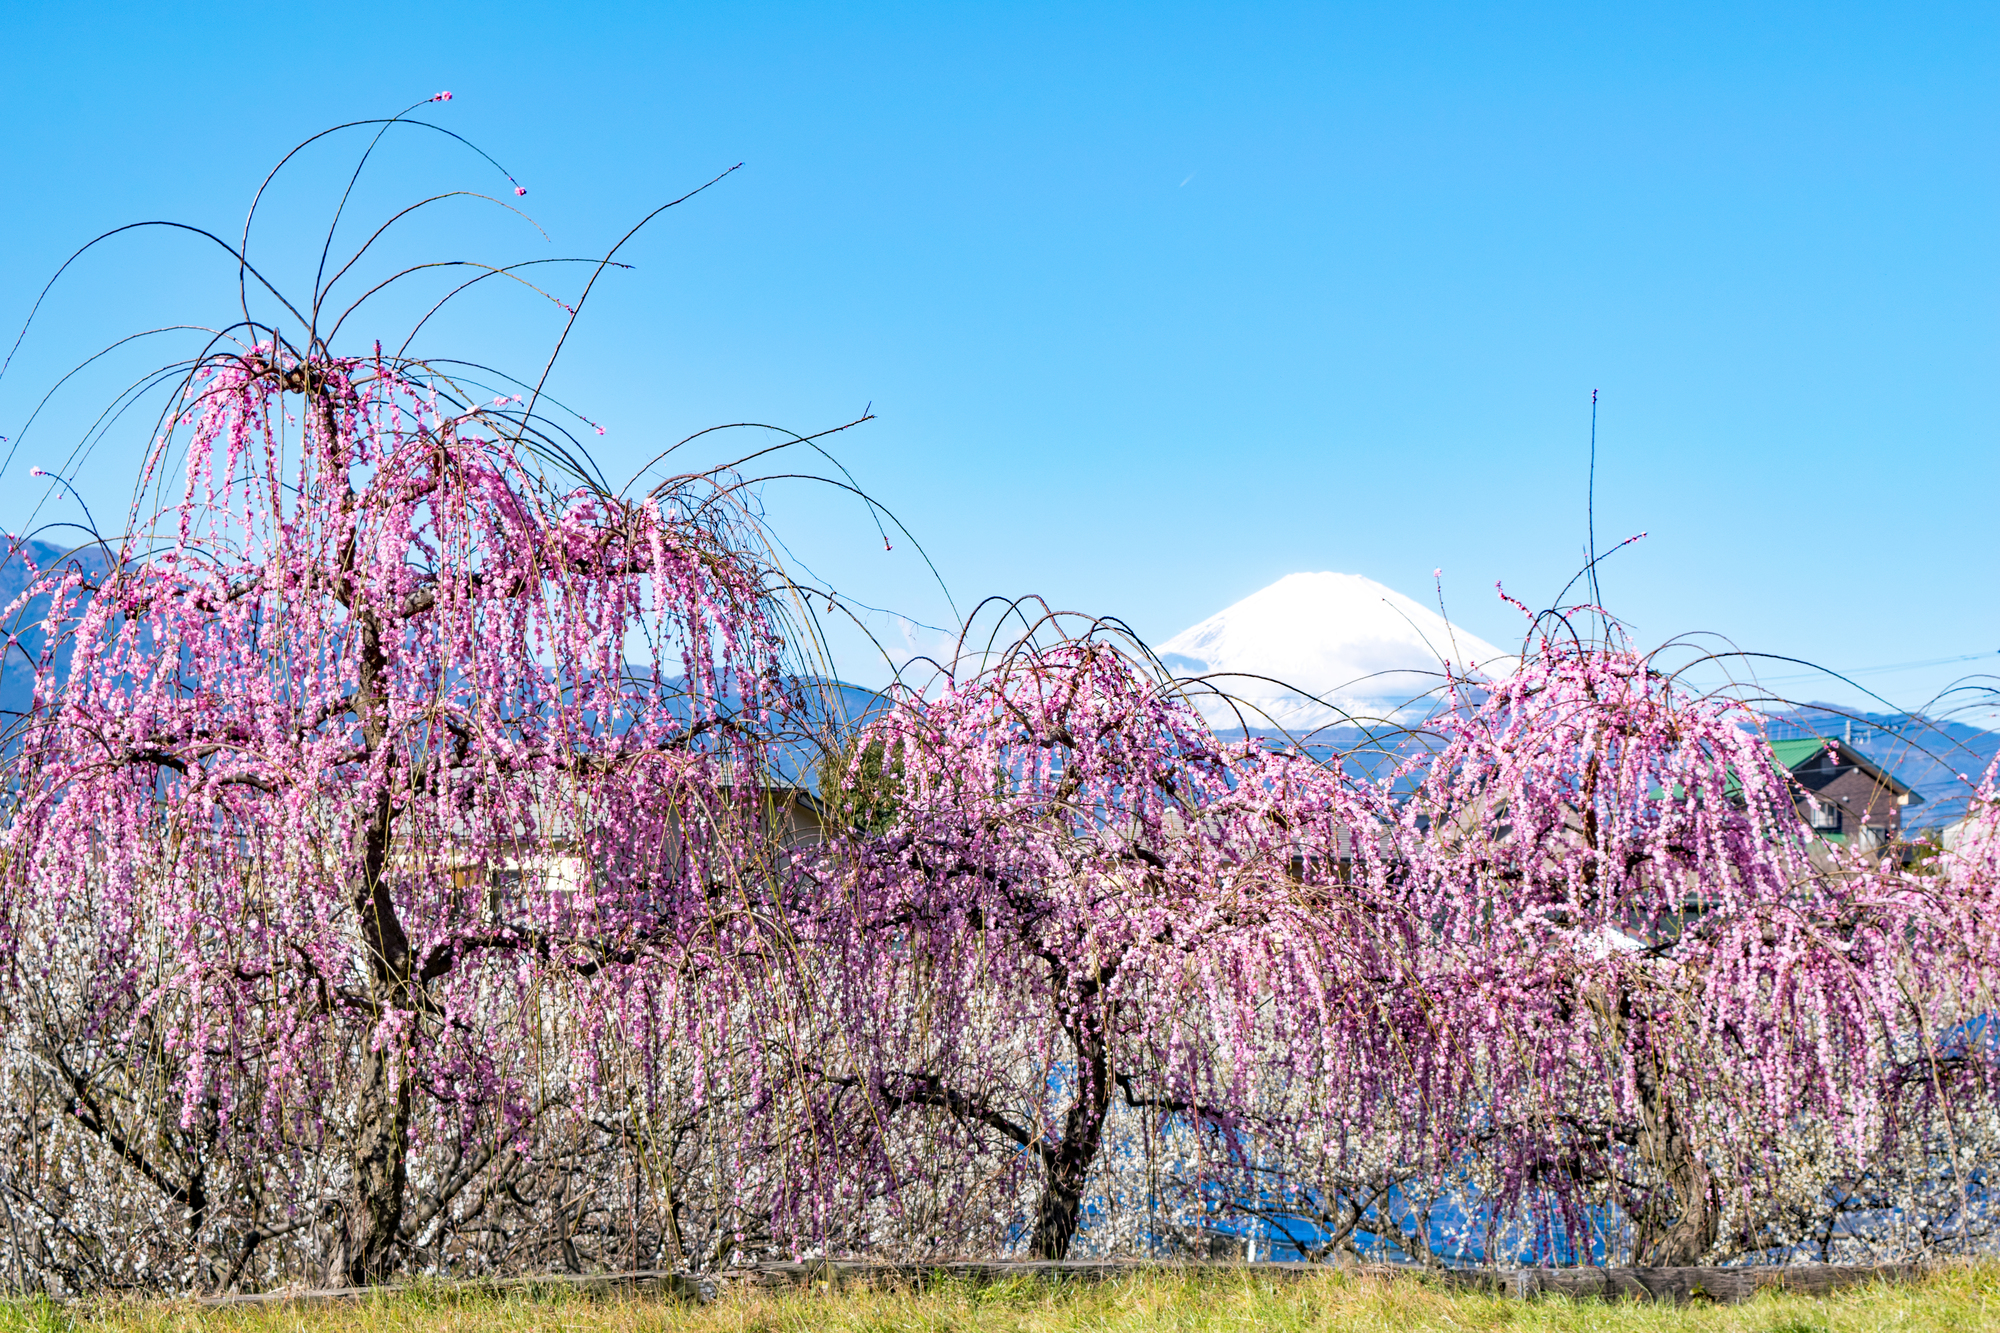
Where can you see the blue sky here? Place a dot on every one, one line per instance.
(1154, 304)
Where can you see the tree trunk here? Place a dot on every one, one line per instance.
(384, 1097)
(1681, 1232)
(381, 1167)
(1066, 1168)
(1679, 1229)
(1678, 1225)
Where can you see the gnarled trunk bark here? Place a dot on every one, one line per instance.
(1678, 1224)
(1677, 1232)
(381, 1168)
(1066, 1167)
(380, 1156)
(1679, 1227)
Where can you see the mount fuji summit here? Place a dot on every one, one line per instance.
(1316, 650)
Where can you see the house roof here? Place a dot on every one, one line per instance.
(1795, 753)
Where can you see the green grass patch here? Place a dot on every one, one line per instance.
(1958, 1299)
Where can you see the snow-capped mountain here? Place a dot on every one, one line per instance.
(1314, 650)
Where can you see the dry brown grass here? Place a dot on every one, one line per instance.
(1958, 1299)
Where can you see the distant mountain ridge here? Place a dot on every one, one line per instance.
(1941, 760)
(1364, 647)
(25, 627)
(1368, 652)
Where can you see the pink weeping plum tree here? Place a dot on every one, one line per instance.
(351, 772)
(1646, 984)
(1059, 895)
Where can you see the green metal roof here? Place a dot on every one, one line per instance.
(1792, 753)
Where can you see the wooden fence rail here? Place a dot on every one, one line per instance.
(1679, 1285)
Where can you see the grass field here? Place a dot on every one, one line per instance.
(1957, 1299)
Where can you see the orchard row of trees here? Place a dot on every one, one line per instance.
(402, 870)
(394, 878)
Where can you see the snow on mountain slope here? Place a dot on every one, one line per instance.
(1363, 649)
